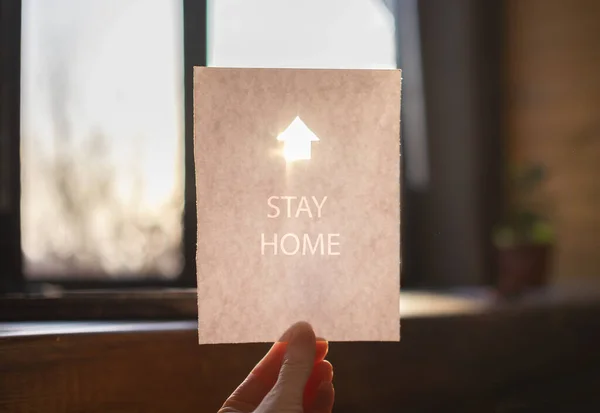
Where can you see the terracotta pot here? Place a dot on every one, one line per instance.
(522, 268)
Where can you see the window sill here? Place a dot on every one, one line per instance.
(180, 304)
(460, 354)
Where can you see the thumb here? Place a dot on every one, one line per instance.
(298, 362)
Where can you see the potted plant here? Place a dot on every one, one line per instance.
(525, 238)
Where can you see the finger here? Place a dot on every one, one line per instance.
(322, 349)
(322, 372)
(261, 380)
(251, 391)
(268, 368)
(297, 366)
(324, 399)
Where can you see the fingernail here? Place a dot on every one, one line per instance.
(302, 343)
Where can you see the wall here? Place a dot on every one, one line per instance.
(553, 109)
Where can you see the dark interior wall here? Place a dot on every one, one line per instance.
(448, 225)
(553, 118)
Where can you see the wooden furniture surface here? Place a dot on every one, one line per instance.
(539, 354)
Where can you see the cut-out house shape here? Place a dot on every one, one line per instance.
(297, 141)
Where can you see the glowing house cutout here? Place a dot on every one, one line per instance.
(297, 141)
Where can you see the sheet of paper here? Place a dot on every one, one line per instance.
(298, 202)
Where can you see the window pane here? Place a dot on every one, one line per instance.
(102, 138)
(351, 34)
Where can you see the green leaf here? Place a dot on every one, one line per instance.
(542, 233)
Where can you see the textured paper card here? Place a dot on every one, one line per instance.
(298, 200)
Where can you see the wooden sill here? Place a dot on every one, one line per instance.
(180, 304)
(538, 354)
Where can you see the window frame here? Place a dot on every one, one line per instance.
(12, 277)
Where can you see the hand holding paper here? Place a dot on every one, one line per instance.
(292, 377)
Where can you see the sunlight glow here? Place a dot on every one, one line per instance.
(334, 34)
(102, 137)
(297, 141)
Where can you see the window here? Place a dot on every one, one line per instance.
(102, 138)
(96, 137)
(104, 144)
(350, 34)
